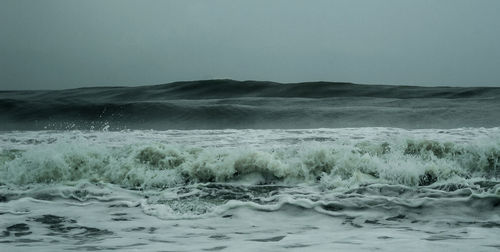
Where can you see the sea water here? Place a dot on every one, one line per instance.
(356, 189)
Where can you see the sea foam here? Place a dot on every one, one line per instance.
(405, 158)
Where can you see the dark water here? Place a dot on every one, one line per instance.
(215, 104)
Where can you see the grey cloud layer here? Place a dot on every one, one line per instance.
(65, 44)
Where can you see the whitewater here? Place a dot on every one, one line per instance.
(222, 165)
(273, 190)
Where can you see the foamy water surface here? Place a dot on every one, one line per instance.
(241, 190)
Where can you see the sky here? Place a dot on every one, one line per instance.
(55, 44)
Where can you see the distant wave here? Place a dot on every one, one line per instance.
(215, 104)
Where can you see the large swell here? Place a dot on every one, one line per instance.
(216, 104)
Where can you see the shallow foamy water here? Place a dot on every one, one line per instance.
(272, 190)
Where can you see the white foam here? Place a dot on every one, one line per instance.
(275, 190)
(153, 159)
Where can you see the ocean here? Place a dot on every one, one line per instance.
(223, 165)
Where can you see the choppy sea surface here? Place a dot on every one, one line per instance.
(356, 189)
(222, 165)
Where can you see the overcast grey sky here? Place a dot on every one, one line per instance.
(70, 43)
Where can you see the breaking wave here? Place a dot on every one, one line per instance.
(409, 162)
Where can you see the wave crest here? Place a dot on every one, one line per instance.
(411, 163)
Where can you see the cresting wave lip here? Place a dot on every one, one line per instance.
(331, 165)
(216, 104)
